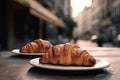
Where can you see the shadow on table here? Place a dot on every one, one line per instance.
(25, 56)
(57, 74)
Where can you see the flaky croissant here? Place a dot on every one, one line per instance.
(36, 46)
(68, 54)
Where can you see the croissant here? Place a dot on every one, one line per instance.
(67, 54)
(36, 46)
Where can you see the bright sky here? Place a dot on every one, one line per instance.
(78, 6)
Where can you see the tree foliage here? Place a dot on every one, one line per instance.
(70, 24)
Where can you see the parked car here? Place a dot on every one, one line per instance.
(118, 40)
(93, 38)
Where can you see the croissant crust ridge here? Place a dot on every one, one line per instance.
(36, 46)
(68, 54)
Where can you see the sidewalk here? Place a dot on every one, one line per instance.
(88, 43)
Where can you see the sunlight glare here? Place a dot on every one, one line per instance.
(78, 6)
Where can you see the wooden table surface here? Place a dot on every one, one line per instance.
(17, 67)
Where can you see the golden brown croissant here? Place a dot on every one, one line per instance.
(36, 46)
(68, 54)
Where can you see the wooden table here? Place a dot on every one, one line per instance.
(17, 67)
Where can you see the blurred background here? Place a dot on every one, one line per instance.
(85, 22)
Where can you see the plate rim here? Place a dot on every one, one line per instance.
(16, 51)
(66, 68)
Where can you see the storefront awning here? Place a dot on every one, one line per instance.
(39, 11)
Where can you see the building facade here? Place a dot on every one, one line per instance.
(83, 22)
(61, 8)
(114, 15)
(19, 26)
(90, 19)
(105, 16)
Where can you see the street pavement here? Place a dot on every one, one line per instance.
(88, 43)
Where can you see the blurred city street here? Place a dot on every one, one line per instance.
(91, 22)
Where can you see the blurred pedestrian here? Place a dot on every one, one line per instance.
(100, 39)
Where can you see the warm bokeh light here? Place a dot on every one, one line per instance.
(78, 6)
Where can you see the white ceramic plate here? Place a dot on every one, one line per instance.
(16, 51)
(100, 64)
